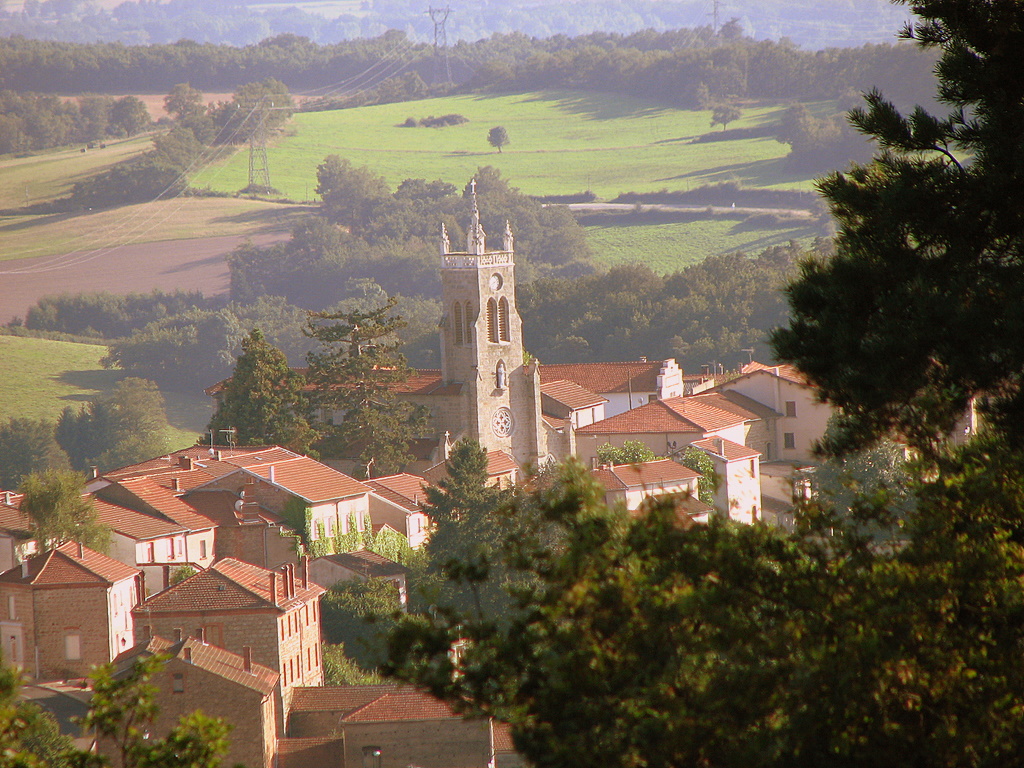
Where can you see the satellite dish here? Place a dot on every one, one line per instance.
(238, 505)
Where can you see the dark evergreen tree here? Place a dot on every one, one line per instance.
(354, 374)
(26, 446)
(263, 401)
(920, 309)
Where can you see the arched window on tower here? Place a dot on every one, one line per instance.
(503, 334)
(468, 335)
(457, 322)
(492, 321)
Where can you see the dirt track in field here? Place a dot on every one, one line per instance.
(197, 264)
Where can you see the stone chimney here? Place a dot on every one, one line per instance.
(273, 587)
(305, 571)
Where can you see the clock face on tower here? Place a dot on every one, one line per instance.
(501, 422)
(495, 282)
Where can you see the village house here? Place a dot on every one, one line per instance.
(16, 542)
(382, 726)
(67, 609)
(739, 480)
(630, 485)
(397, 501)
(360, 565)
(236, 605)
(231, 686)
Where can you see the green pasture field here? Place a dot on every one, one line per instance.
(560, 143)
(48, 175)
(669, 247)
(26, 236)
(42, 377)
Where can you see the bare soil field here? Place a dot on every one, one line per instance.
(196, 264)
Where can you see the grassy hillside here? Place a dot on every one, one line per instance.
(560, 142)
(669, 247)
(45, 176)
(42, 377)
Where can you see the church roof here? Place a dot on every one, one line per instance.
(602, 378)
(571, 395)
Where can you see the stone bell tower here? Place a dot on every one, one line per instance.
(482, 344)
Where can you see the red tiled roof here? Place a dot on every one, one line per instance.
(211, 658)
(368, 563)
(648, 474)
(309, 479)
(63, 566)
(219, 506)
(502, 737)
(787, 372)
(229, 585)
(12, 519)
(742, 402)
(403, 489)
(134, 525)
(727, 449)
(571, 395)
(371, 703)
(166, 502)
(694, 413)
(499, 464)
(628, 376)
(656, 417)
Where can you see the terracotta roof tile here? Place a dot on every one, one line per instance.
(600, 378)
(166, 502)
(336, 698)
(788, 372)
(648, 474)
(229, 585)
(743, 402)
(367, 563)
(64, 566)
(12, 519)
(656, 417)
(134, 525)
(309, 479)
(502, 737)
(403, 489)
(401, 704)
(571, 395)
(727, 449)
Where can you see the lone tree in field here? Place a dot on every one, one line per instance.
(497, 137)
(724, 114)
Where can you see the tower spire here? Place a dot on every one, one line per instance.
(475, 236)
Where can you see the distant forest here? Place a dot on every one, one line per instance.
(808, 23)
(688, 68)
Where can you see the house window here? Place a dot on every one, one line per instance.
(371, 757)
(753, 467)
(492, 321)
(789, 440)
(457, 322)
(73, 646)
(503, 332)
(202, 549)
(178, 684)
(181, 547)
(791, 409)
(149, 556)
(12, 611)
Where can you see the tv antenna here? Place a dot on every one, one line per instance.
(259, 168)
(439, 16)
(716, 4)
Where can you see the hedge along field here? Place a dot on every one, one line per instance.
(560, 143)
(42, 377)
(669, 247)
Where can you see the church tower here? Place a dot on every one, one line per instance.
(482, 344)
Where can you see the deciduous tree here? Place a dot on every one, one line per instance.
(26, 446)
(54, 502)
(724, 114)
(497, 137)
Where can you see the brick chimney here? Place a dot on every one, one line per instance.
(247, 658)
(305, 571)
(175, 484)
(187, 654)
(273, 587)
(81, 551)
(185, 462)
